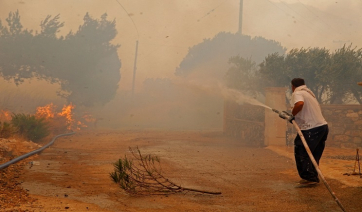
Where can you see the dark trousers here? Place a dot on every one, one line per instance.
(315, 139)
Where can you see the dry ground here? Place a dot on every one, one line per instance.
(73, 175)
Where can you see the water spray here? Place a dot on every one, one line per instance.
(290, 118)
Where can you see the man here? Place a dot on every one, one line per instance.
(308, 116)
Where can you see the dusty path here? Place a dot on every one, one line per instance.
(73, 175)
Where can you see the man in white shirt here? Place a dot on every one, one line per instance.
(308, 116)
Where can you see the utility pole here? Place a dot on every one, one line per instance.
(240, 17)
(134, 68)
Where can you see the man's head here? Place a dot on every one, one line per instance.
(296, 82)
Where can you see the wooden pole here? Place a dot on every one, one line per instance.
(240, 28)
(134, 68)
(316, 165)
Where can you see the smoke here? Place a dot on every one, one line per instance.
(166, 31)
(177, 104)
(213, 86)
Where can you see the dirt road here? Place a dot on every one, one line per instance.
(73, 175)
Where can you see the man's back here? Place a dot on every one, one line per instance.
(311, 115)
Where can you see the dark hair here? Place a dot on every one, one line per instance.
(296, 82)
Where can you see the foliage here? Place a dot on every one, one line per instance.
(84, 63)
(242, 74)
(274, 63)
(6, 130)
(121, 174)
(212, 55)
(142, 176)
(30, 126)
(343, 74)
(310, 64)
(331, 76)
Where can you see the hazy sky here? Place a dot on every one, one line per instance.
(166, 29)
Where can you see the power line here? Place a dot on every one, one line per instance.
(129, 17)
(289, 13)
(314, 14)
(186, 27)
(136, 54)
(212, 10)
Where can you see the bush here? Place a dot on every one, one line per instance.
(6, 130)
(29, 126)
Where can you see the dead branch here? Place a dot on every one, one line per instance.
(142, 176)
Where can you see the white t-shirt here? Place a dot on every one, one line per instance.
(311, 115)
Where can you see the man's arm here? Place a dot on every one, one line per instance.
(298, 106)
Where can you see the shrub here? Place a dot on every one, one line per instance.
(6, 130)
(29, 126)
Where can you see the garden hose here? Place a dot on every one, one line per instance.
(15, 160)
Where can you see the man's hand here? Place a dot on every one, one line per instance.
(291, 118)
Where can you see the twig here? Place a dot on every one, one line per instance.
(143, 177)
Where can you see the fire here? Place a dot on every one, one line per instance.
(66, 114)
(46, 112)
(5, 116)
(88, 118)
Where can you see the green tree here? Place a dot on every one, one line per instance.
(310, 64)
(211, 56)
(331, 76)
(15, 50)
(242, 75)
(345, 70)
(84, 63)
(274, 72)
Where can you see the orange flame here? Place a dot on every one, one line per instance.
(5, 115)
(88, 117)
(67, 114)
(46, 112)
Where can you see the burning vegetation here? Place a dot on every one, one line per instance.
(47, 120)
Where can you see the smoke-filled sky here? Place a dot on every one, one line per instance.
(166, 29)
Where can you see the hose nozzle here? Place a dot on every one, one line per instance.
(284, 115)
(276, 111)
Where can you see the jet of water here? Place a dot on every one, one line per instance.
(239, 97)
(219, 88)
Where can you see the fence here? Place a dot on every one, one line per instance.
(244, 122)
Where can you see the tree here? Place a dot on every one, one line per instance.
(211, 56)
(274, 72)
(15, 50)
(310, 64)
(328, 75)
(242, 75)
(344, 71)
(84, 63)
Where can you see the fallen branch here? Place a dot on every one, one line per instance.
(142, 176)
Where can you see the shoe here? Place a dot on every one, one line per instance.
(307, 182)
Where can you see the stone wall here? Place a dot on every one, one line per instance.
(246, 122)
(345, 125)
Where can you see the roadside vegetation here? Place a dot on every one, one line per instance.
(25, 126)
(332, 76)
(29, 126)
